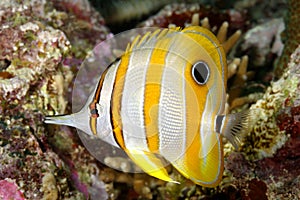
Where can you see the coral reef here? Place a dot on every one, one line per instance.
(79, 21)
(291, 36)
(263, 41)
(182, 14)
(9, 190)
(42, 46)
(269, 152)
(34, 80)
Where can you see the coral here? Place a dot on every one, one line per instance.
(291, 36)
(240, 78)
(49, 187)
(79, 21)
(267, 137)
(270, 152)
(26, 66)
(262, 44)
(32, 52)
(24, 161)
(34, 80)
(181, 15)
(263, 40)
(9, 190)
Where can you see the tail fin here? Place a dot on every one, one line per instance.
(67, 120)
(79, 120)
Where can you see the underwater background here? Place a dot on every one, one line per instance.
(42, 46)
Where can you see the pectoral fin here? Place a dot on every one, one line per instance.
(234, 126)
(149, 163)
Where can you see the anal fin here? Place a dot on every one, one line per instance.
(150, 164)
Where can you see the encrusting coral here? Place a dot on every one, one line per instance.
(270, 152)
(291, 36)
(267, 137)
(25, 66)
(33, 82)
(9, 190)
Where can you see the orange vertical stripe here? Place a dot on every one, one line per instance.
(152, 96)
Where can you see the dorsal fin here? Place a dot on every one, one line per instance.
(149, 39)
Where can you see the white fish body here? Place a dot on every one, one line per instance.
(165, 96)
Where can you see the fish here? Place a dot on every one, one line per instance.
(164, 98)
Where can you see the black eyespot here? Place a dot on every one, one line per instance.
(200, 72)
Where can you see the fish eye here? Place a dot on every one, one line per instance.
(200, 72)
